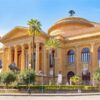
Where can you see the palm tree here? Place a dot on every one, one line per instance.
(34, 30)
(51, 44)
(71, 12)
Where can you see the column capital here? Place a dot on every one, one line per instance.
(92, 44)
(9, 47)
(77, 46)
(29, 43)
(37, 43)
(22, 46)
(15, 46)
(92, 47)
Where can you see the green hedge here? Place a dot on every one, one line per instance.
(62, 87)
(55, 87)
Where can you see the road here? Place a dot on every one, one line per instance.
(51, 97)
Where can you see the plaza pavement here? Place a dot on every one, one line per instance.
(59, 96)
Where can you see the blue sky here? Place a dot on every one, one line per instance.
(18, 12)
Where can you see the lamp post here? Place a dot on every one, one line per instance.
(42, 74)
(29, 90)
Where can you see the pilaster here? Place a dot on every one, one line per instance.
(78, 60)
(93, 66)
(59, 61)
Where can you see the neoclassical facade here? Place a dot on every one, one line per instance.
(79, 54)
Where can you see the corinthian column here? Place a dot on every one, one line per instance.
(10, 55)
(45, 61)
(22, 57)
(37, 58)
(15, 55)
(29, 54)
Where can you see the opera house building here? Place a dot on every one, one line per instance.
(79, 54)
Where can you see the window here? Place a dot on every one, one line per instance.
(86, 77)
(0, 64)
(98, 53)
(99, 56)
(51, 59)
(71, 56)
(85, 55)
(69, 75)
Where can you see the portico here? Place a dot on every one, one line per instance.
(19, 51)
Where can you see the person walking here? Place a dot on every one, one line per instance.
(59, 78)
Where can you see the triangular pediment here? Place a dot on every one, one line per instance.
(16, 33)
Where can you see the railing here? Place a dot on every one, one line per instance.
(51, 80)
(47, 79)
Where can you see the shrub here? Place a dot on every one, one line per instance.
(1, 77)
(27, 77)
(96, 75)
(8, 78)
(75, 79)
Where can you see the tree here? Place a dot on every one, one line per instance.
(34, 30)
(96, 76)
(27, 77)
(52, 44)
(8, 78)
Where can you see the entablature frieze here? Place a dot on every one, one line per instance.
(83, 41)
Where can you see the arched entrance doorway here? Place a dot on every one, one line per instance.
(69, 75)
(52, 62)
(86, 77)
